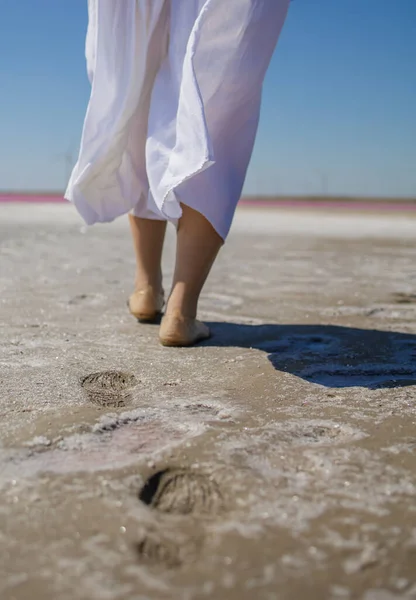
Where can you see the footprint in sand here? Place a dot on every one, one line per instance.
(109, 388)
(404, 298)
(177, 492)
(182, 491)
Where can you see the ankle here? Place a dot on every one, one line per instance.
(180, 310)
(142, 283)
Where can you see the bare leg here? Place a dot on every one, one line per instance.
(148, 236)
(197, 247)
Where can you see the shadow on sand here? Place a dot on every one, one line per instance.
(332, 356)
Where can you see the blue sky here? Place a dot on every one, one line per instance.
(339, 105)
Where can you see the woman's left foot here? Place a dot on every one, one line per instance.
(146, 304)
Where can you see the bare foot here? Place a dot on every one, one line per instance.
(177, 330)
(146, 304)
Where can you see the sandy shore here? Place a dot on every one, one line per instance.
(276, 461)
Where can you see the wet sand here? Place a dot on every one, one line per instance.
(276, 461)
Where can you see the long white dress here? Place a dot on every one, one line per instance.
(174, 107)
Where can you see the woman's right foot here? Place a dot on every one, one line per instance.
(177, 330)
(146, 305)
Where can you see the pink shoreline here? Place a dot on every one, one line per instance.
(352, 205)
(31, 198)
(378, 205)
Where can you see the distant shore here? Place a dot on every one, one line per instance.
(343, 202)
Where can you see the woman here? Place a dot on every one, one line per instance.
(169, 132)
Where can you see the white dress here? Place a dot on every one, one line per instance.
(174, 107)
